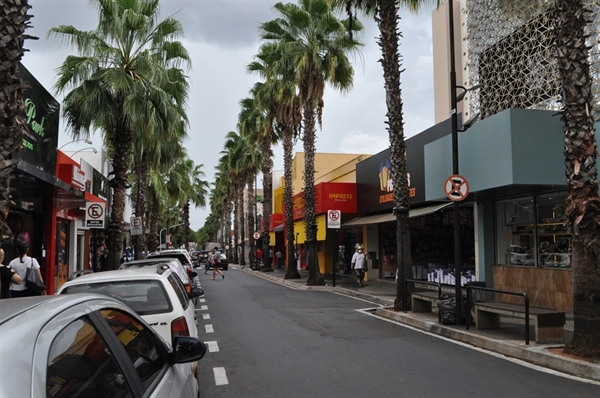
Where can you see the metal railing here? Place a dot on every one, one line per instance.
(488, 289)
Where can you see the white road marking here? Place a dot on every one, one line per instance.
(202, 307)
(209, 328)
(205, 316)
(202, 300)
(220, 377)
(212, 346)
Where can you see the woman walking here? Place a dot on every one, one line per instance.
(217, 264)
(20, 265)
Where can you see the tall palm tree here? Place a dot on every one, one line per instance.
(385, 13)
(249, 120)
(315, 43)
(14, 20)
(280, 76)
(117, 81)
(582, 203)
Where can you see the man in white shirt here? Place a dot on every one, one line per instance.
(359, 265)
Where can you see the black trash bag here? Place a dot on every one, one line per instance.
(446, 307)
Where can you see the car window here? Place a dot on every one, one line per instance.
(180, 290)
(141, 344)
(146, 297)
(80, 364)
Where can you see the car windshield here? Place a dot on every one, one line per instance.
(145, 297)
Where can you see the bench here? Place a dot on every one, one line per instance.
(549, 324)
(422, 301)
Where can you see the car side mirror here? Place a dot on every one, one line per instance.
(196, 292)
(188, 349)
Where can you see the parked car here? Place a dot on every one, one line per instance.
(155, 293)
(90, 345)
(186, 274)
(224, 263)
(180, 254)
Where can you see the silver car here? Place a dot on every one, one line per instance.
(89, 346)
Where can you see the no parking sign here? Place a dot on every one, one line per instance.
(94, 214)
(334, 219)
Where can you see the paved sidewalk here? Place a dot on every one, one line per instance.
(509, 340)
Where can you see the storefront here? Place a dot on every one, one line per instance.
(328, 196)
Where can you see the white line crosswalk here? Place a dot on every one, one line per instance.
(220, 376)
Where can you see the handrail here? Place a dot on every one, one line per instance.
(406, 281)
(488, 289)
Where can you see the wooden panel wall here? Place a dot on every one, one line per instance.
(546, 287)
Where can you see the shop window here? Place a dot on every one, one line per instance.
(530, 231)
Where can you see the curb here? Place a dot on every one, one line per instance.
(537, 355)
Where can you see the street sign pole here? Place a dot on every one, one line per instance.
(334, 221)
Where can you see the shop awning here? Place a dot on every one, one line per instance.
(387, 217)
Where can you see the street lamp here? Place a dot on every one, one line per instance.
(86, 140)
(84, 149)
(160, 234)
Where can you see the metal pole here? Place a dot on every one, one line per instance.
(454, 112)
(334, 254)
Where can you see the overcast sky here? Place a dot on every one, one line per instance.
(222, 38)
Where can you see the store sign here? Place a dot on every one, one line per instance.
(78, 178)
(42, 114)
(94, 214)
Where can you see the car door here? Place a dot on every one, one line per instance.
(100, 349)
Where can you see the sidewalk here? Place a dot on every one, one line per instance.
(509, 340)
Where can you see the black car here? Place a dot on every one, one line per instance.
(224, 263)
(203, 256)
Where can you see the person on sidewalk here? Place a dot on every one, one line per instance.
(217, 264)
(359, 265)
(279, 256)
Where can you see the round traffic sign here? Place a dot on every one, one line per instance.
(456, 188)
(95, 211)
(256, 235)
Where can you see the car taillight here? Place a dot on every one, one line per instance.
(179, 328)
(188, 288)
(189, 271)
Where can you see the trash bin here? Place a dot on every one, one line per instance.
(447, 306)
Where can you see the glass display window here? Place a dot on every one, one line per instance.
(531, 231)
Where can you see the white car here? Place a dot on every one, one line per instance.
(155, 293)
(88, 345)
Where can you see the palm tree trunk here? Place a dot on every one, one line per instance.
(315, 277)
(14, 20)
(186, 225)
(121, 142)
(153, 239)
(387, 21)
(288, 194)
(251, 229)
(236, 221)
(267, 170)
(582, 203)
(242, 224)
(140, 207)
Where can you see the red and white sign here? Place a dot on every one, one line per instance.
(334, 219)
(456, 188)
(94, 214)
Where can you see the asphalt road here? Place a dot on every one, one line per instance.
(267, 340)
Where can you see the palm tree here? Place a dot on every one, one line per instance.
(118, 81)
(14, 20)
(385, 13)
(582, 203)
(288, 117)
(315, 43)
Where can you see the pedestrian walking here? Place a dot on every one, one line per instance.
(103, 260)
(359, 265)
(279, 256)
(20, 265)
(217, 264)
(7, 276)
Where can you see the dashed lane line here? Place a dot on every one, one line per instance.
(212, 346)
(208, 329)
(205, 316)
(220, 376)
